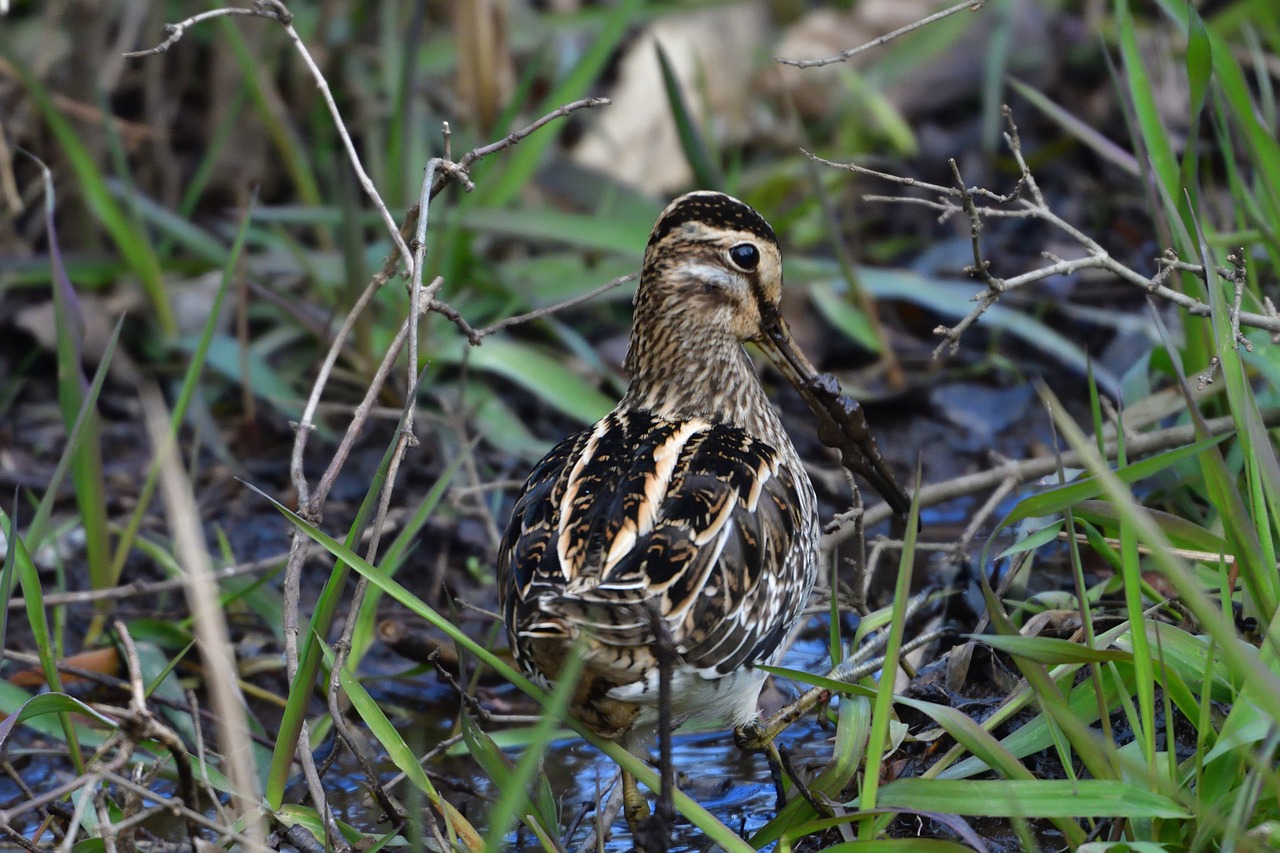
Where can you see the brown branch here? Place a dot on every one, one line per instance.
(551, 309)
(173, 32)
(845, 55)
(959, 199)
(1027, 470)
(278, 12)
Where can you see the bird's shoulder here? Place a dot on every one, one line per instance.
(642, 501)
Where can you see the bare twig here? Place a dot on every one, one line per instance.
(141, 588)
(470, 158)
(216, 651)
(1027, 470)
(1029, 203)
(173, 32)
(1238, 277)
(845, 55)
(1205, 377)
(539, 313)
(278, 12)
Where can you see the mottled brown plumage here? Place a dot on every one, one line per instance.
(688, 496)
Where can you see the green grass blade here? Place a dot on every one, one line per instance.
(49, 703)
(78, 402)
(132, 243)
(1182, 532)
(38, 623)
(1142, 95)
(706, 171)
(190, 381)
(8, 573)
(1050, 650)
(38, 529)
(1058, 498)
(882, 708)
(514, 801)
(1043, 798)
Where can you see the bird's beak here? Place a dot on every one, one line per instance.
(841, 423)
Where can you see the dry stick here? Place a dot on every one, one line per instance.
(951, 201)
(470, 158)
(278, 12)
(842, 56)
(537, 314)
(141, 588)
(222, 829)
(210, 625)
(176, 31)
(1040, 466)
(149, 729)
(1184, 553)
(1239, 278)
(17, 838)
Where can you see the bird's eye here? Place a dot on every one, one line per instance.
(745, 256)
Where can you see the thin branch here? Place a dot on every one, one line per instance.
(469, 159)
(961, 200)
(173, 32)
(845, 55)
(141, 588)
(277, 11)
(1027, 470)
(539, 313)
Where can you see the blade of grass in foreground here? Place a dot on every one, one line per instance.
(78, 405)
(400, 754)
(514, 802)
(716, 831)
(1042, 798)
(195, 367)
(882, 708)
(322, 616)
(33, 597)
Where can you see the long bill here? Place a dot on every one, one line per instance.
(841, 422)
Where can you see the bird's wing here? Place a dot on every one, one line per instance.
(699, 522)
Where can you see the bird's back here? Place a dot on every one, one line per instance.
(704, 525)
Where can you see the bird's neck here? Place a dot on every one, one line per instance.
(697, 373)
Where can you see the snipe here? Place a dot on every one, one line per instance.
(683, 521)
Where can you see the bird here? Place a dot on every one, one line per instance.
(684, 520)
